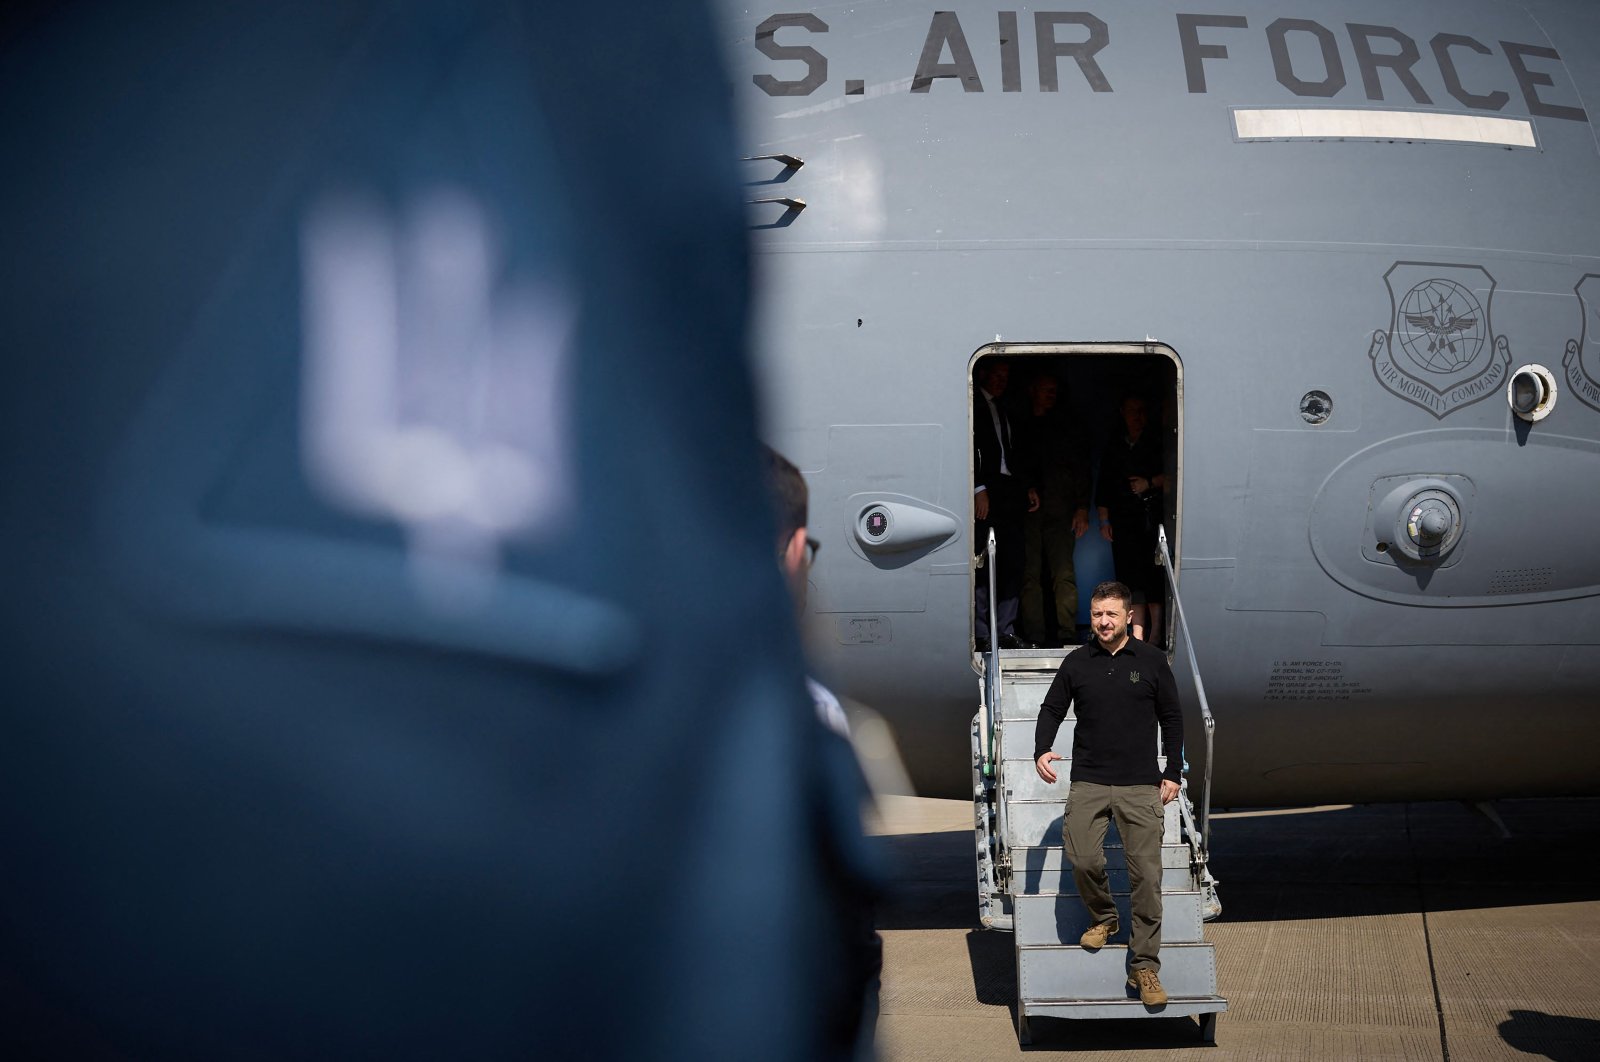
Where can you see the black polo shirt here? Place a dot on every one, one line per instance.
(1119, 698)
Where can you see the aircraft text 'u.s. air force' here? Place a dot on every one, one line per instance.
(1400, 65)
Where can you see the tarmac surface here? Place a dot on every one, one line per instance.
(1393, 931)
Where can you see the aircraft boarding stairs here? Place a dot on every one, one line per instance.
(1025, 883)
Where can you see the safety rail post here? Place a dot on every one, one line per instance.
(1199, 689)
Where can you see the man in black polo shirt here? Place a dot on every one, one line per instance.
(1120, 689)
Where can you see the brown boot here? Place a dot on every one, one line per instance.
(1094, 938)
(1151, 994)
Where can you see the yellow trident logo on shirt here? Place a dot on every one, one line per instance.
(1133, 676)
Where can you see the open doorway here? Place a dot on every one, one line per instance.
(1077, 447)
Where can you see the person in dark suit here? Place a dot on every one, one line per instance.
(1129, 498)
(1001, 498)
(1060, 472)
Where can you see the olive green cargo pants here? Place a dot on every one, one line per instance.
(1137, 808)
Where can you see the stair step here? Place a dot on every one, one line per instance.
(1016, 738)
(1022, 782)
(1052, 857)
(1059, 882)
(1127, 1008)
(1043, 870)
(1042, 921)
(1060, 972)
(1037, 824)
(1022, 696)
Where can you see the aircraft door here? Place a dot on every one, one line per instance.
(1078, 448)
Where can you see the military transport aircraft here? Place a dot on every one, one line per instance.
(1351, 251)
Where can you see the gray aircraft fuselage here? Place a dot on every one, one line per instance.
(1395, 206)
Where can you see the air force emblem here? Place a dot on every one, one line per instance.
(1439, 352)
(1582, 360)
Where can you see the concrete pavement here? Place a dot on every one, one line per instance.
(1396, 931)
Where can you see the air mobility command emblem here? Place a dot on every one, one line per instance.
(1439, 352)
(1582, 360)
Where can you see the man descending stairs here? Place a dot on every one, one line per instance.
(1121, 690)
(1110, 925)
(1057, 975)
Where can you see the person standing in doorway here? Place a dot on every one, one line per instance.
(1122, 692)
(1129, 498)
(1001, 497)
(1051, 533)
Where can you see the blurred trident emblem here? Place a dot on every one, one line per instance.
(433, 390)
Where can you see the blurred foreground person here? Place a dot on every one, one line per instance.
(366, 532)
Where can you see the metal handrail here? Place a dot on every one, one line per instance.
(993, 692)
(991, 667)
(1200, 692)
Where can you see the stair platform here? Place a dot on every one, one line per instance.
(1127, 1008)
(1088, 1010)
(1067, 972)
(1061, 919)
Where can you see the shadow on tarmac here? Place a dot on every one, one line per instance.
(1296, 863)
(1558, 1038)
